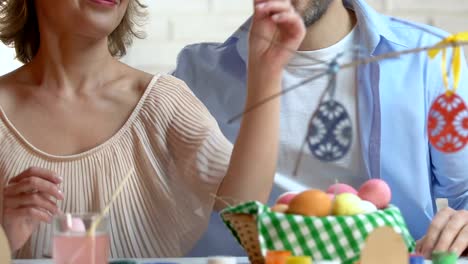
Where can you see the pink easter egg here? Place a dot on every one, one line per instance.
(72, 224)
(77, 225)
(332, 196)
(377, 192)
(339, 188)
(286, 198)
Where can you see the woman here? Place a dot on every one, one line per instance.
(74, 120)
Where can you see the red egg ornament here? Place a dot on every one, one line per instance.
(448, 123)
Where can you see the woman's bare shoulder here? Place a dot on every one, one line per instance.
(10, 85)
(140, 79)
(14, 78)
(10, 81)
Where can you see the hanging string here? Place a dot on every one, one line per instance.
(283, 92)
(446, 122)
(329, 91)
(456, 61)
(455, 41)
(396, 54)
(422, 28)
(225, 199)
(304, 142)
(356, 63)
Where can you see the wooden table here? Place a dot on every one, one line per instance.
(180, 261)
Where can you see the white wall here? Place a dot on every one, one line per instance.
(7, 60)
(175, 23)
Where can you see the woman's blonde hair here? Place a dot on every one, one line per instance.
(19, 28)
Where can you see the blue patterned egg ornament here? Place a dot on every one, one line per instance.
(330, 132)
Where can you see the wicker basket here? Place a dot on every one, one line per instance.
(246, 228)
(325, 238)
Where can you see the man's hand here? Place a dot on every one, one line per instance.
(448, 232)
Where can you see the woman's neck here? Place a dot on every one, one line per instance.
(70, 65)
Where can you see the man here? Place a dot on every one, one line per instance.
(387, 103)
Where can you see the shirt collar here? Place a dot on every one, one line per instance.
(242, 35)
(372, 26)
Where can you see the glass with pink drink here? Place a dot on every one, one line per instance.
(73, 243)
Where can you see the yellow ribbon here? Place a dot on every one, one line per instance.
(456, 62)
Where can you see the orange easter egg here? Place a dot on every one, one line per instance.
(311, 203)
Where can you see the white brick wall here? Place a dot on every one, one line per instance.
(175, 23)
(7, 60)
(190, 21)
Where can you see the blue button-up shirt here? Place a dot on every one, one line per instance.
(394, 98)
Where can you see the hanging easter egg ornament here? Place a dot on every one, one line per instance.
(448, 123)
(448, 115)
(330, 131)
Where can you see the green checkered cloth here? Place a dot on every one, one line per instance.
(322, 238)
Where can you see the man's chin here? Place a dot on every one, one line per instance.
(311, 16)
(309, 21)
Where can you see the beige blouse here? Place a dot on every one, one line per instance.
(179, 156)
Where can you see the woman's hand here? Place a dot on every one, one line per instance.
(27, 201)
(276, 32)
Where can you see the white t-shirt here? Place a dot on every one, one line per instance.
(298, 106)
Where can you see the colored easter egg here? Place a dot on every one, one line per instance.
(77, 225)
(311, 203)
(299, 260)
(448, 123)
(280, 208)
(286, 198)
(347, 204)
(377, 192)
(330, 132)
(368, 207)
(277, 257)
(339, 188)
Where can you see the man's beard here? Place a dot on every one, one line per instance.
(314, 10)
